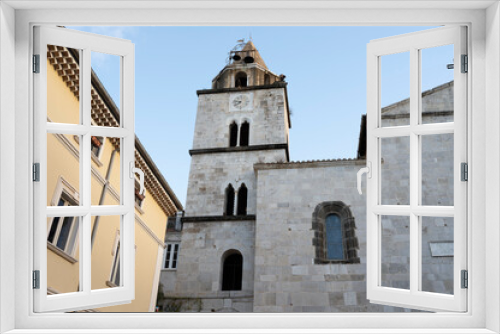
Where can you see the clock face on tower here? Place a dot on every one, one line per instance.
(241, 101)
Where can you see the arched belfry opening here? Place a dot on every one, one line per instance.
(229, 201)
(233, 134)
(242, 200)
(244, 133)
(267, 79)
(232, 270)
(240, 80)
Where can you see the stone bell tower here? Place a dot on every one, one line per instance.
(242, 120)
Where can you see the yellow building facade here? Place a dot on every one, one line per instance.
(152, 208)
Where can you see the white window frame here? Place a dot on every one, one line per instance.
(415, 210)
(86, 297)
(484, 211)
(171, 257)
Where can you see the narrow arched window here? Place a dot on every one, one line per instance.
(233, 134)
(229, 203)
(232, 271)
(242, 200)
(244, 134)
(267, 79)
(334, 238)
(240, 80)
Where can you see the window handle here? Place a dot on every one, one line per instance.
(368, 171)
(133, 171)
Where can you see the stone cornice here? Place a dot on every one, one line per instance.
(241, 149)
(277, 84)
(214, 219)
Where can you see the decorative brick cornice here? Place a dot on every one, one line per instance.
(215, 219)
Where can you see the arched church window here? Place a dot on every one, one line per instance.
(267, 79)
(242, 200)
(232, 271)
(244, 134)
(233, 134)
(334, 238)
(229, 202)
(240, 80)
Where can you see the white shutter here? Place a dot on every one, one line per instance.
(82, 297)
(414, 212)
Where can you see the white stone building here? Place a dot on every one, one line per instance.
(263, 234)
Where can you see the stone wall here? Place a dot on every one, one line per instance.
(168, 277)
(266, 114)
(210, 174)
(200, 266)
(286, 278)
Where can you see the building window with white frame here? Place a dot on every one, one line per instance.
(139, 198)
(63, 231)
(96, 145)
(171, 253)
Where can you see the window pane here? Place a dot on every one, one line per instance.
(63, 252)
(395, 171)
(63, 85)
(53, 229)
(437, 169)
(437, 84)
(437, 254)
(395, 251)
(167, 256)
(395, 89)
(64, 234)
(174, 258)
(334, 238)
(106, 252)
(106, 102)
(63, 169)
(106, 180)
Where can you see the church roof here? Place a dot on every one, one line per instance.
(308, 164)
(250, 47)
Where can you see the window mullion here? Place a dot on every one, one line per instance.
(414, 168)
(85, 176)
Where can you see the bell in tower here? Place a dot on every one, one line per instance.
(245, 68)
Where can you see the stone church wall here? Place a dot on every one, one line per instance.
(286, 278)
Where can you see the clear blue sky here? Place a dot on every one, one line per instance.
(325, 68)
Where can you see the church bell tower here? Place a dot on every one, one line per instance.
(242, 120)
